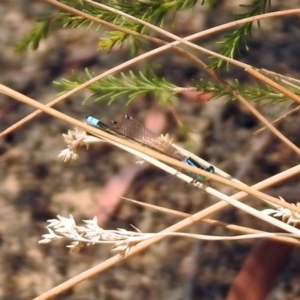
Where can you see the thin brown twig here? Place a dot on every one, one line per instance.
(266, 122)
(161, 157)
(257, 74)
(213, 222)
(148, 54)
(278, 119)
(144, 245)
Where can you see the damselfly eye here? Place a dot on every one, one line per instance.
(211, 169)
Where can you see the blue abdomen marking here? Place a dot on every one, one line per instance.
(93, 121)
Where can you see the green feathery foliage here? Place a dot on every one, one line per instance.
(152, 11)
(41, 30)
(119, 38)
(131, 86)
(255, 92)
(234, 41)
(33, 38)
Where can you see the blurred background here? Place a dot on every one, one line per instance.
(36, 186)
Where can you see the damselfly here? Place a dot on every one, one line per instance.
(132, 129)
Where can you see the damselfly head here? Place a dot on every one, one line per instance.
(210, 169)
